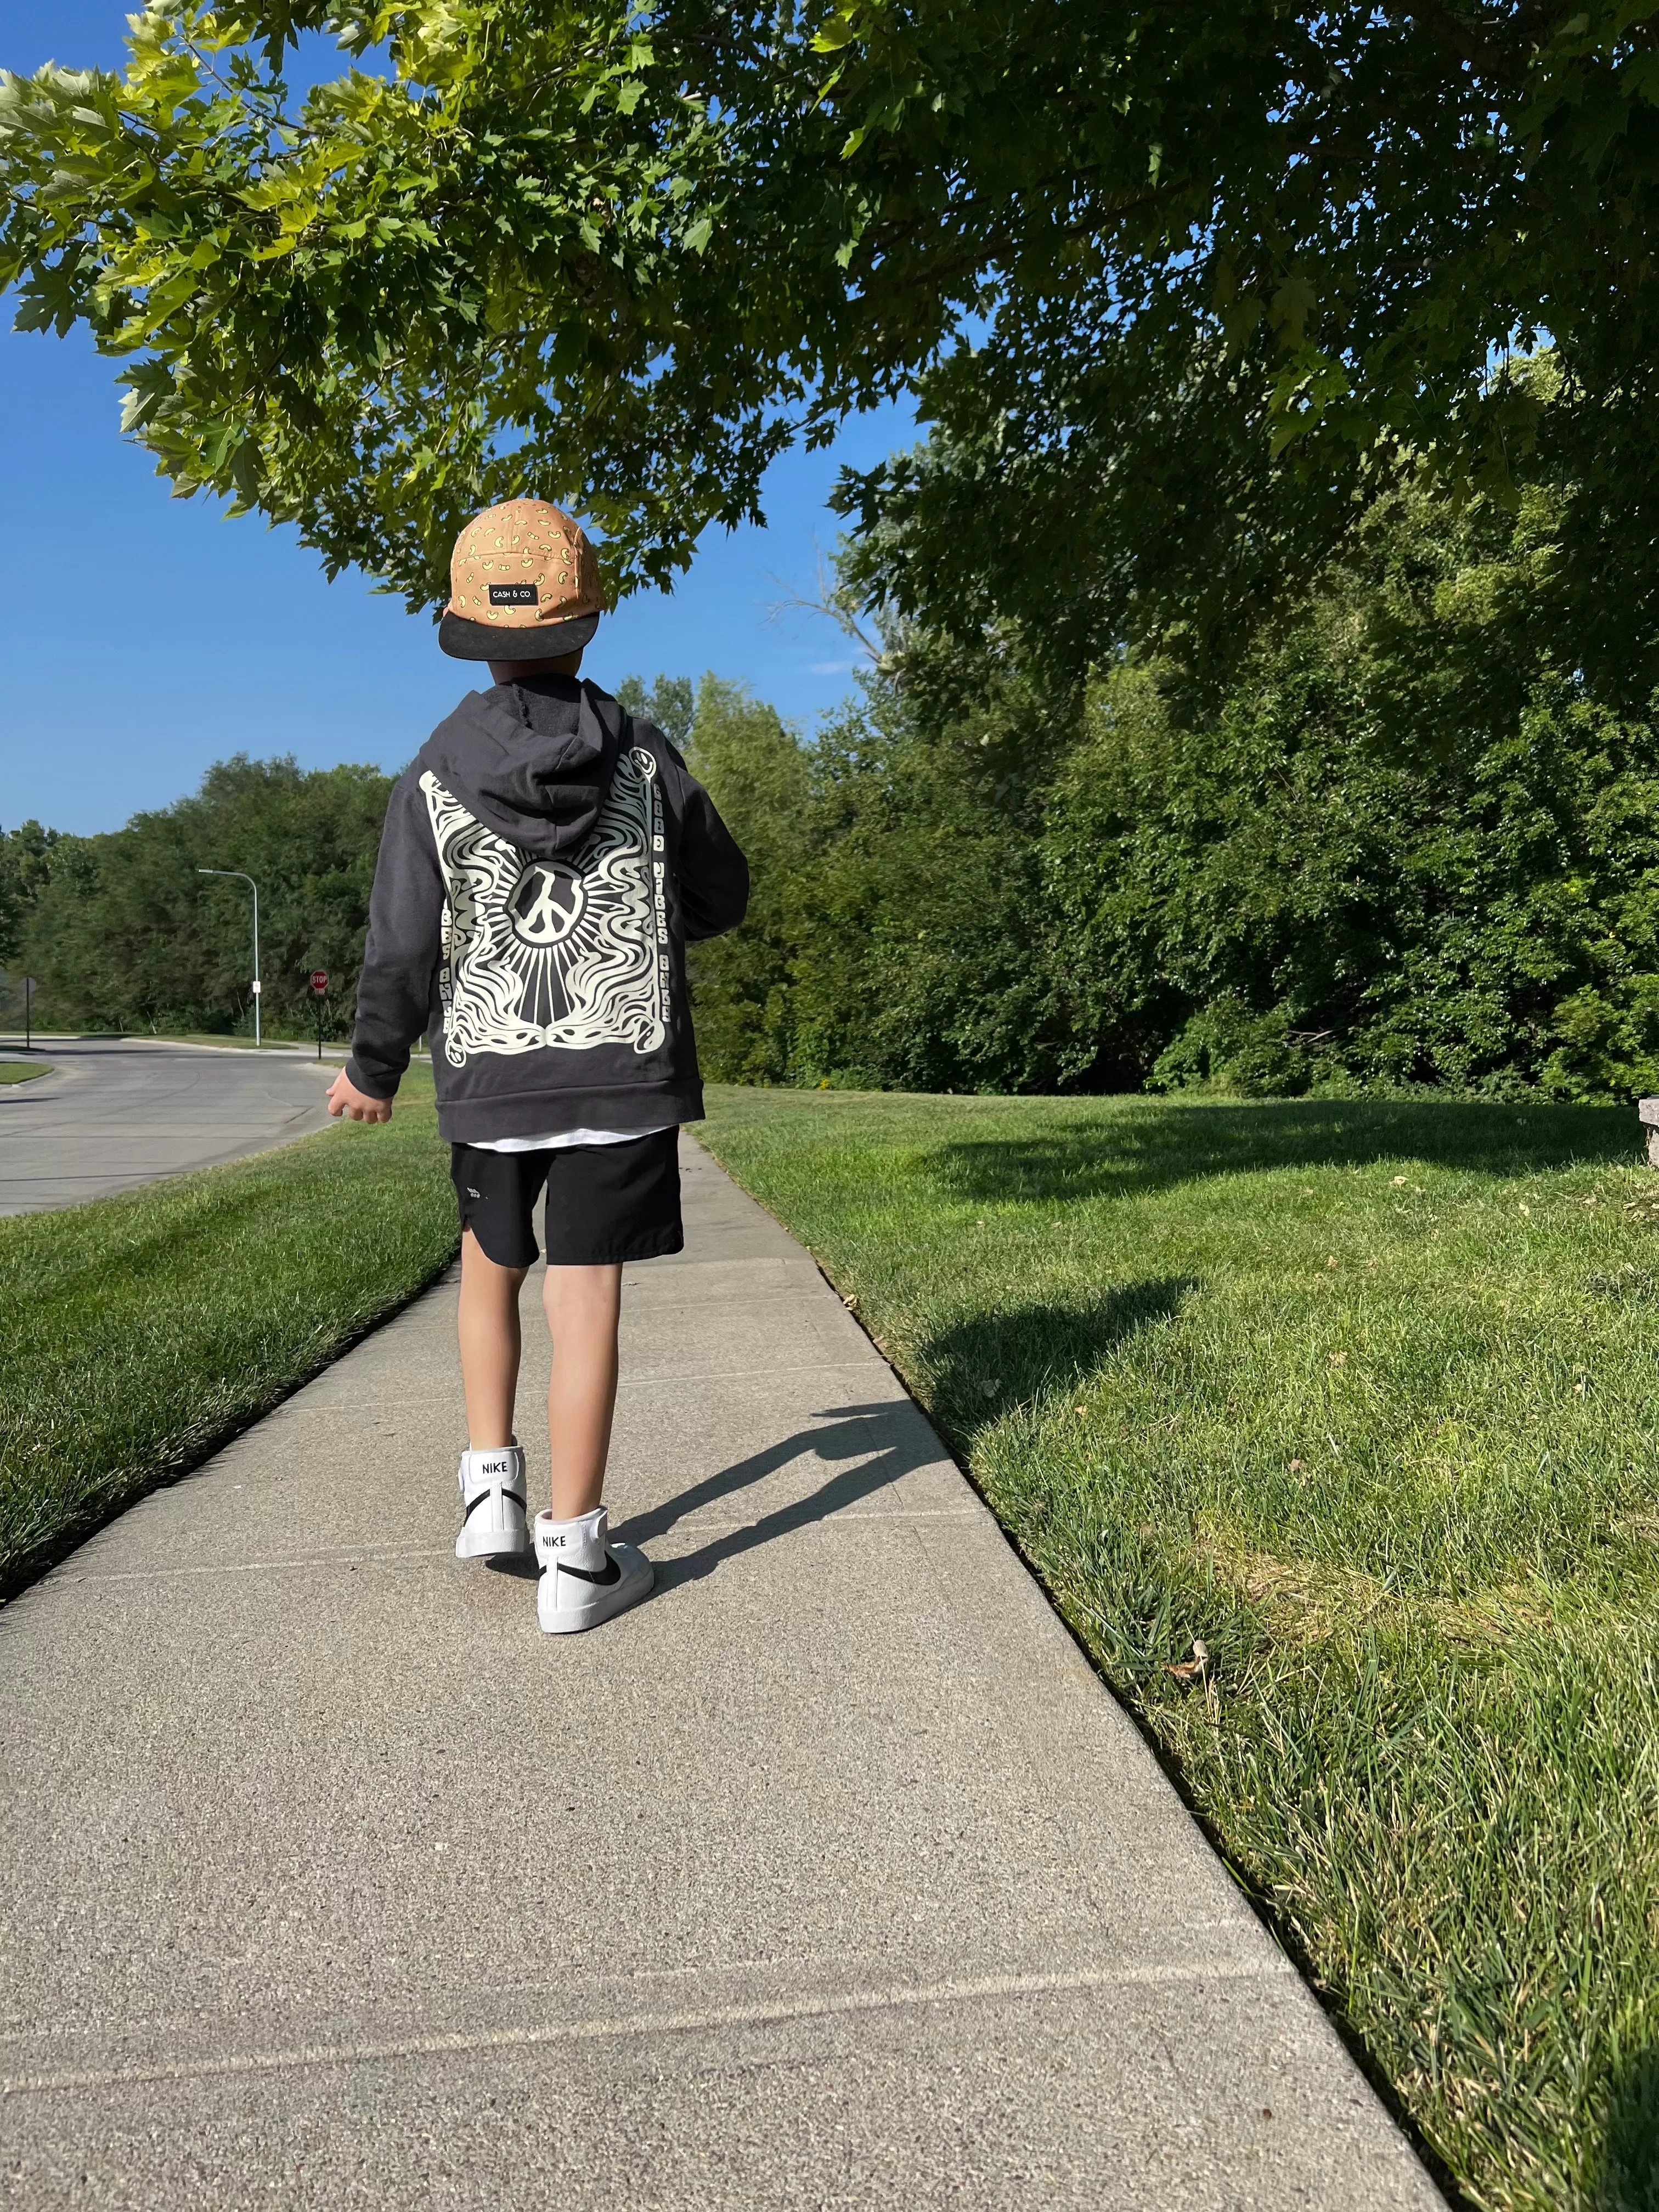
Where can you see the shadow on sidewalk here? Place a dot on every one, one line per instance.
(889, 1439)
(976, 1371)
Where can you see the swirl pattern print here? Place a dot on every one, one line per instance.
(538, 953)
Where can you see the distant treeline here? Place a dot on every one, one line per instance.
(1407, 843)
(121, 933)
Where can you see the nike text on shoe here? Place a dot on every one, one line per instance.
(586, 1579)
(493, 1524)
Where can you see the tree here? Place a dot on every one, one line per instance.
(1407, 847)
(622, 256)
(132, 936)
(757, 773)
(671, 703)
(920, 953)
(29, 856)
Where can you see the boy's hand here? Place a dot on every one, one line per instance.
(344, 1097)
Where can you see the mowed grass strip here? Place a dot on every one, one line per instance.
(1331, 1429)
(22, 1071)
(141, 1331)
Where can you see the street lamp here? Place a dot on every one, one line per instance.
(254, 888)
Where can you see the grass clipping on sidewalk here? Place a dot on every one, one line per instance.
(1330, 1428)
(141, 1331)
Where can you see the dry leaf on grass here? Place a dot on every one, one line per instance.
(1188, 1669)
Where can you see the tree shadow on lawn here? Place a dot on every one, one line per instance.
(973, 1371)
(1629, 2170)
(1145, 1145)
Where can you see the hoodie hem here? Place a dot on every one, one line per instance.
(552, 1113)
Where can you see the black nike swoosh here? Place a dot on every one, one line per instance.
(602, 1578)
(483, 1494)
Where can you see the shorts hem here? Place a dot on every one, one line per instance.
(659, 1246)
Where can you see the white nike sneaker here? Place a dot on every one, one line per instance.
(493, 1524)
(585, 1578)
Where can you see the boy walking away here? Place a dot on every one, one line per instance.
(545, 860)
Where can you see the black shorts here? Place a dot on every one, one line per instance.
(604, 1202)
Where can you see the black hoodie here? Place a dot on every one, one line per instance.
(544, 861)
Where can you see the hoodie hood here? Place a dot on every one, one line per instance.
(533, 762)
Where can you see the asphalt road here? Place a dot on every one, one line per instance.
(114, 1114)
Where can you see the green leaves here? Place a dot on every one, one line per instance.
(624, 258)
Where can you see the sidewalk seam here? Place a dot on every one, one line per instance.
(895, 1999)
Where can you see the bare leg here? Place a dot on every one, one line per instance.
(489, 1331)
(583, 1307)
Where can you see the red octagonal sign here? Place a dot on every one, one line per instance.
(320, 980)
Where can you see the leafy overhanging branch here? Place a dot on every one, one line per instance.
(623, 255)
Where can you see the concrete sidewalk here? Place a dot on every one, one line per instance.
(829, 1877)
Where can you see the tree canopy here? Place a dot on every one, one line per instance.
(1407, 847)
(622, 254)
(123, 930)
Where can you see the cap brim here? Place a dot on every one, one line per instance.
(472, 640)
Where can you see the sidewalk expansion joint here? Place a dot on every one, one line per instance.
(900, 1517)
(895, 1999)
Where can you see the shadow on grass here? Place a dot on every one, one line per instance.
(973, 1370)
(1149, 1145)
(1629, 2171)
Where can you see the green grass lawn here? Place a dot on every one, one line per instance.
(1331, 1430)
(221, 1042)
(287, 1043)
(141, 1331)
(333, 1048)
(22, 1071)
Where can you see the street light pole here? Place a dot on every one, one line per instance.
(254, 888)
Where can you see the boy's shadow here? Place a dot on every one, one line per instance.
(978, 1369)
(891, 1438)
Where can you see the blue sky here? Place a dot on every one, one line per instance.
(142, 637)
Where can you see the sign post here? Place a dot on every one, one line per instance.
(318, 999)
(29, 1013)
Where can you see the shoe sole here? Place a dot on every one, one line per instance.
(570, 1622)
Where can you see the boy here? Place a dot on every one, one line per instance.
(544, 860)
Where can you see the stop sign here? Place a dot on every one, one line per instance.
(319, 980)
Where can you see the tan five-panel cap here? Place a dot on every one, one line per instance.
(523, 585)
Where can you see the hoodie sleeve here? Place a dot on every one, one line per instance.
(714, 876)
(405, 918)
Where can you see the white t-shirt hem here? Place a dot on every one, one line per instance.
(561, 1140)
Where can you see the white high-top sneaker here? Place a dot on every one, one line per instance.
(586, 1579)
(493, 1525)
